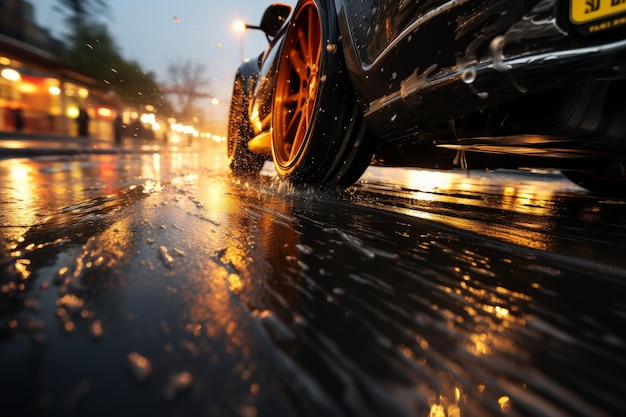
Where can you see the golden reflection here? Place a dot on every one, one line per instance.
(150, 186)
(481, 345)
(445, 407)
(211, 310)
(535, 239)
(235, 283)
(176, 162)
(18, 171)
(21, 191)
(428, 181)
(213, 200)
(454, 411)
(492, 319)
(152, 169)
(224, 282)
(505, 404)
(533, 197)
(437, 410)
(210, 302)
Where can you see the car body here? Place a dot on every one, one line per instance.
(435, 84)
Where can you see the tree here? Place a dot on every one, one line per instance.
(92, 51)
(83, 11)
(188, 82)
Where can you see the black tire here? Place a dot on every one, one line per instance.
(241, 159)
(319, 135)
(600, 183)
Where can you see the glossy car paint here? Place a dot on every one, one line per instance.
(420, 64)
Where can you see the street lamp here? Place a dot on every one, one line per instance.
(240, 27)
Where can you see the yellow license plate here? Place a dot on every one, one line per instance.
(585, 11)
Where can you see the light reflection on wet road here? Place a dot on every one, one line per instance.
(162, 285)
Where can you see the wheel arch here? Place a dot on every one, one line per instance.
(248, 72)
(317, 137)
(241, 159)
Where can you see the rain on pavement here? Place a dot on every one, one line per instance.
(160, 284)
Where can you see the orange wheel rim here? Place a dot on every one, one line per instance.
(297, 84)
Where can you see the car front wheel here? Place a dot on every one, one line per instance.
(318, 132)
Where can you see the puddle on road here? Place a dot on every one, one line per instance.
(378, 300)
(542, 211)
(76, 223)
(441, 304)
(68, 233)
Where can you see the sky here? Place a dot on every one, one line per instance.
(159, 33)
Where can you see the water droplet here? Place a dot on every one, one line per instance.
(496, 48)
(469, 75)
(71, 302)
(96, 331)
(178, 383)
(275, 326)
(139, 366)
(305, 249)
(69, 327)
(167, 259)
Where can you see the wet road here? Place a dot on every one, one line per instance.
(159, 284)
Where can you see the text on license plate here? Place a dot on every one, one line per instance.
(583, 11)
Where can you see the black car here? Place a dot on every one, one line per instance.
(435, 84)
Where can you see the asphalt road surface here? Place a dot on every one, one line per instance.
(159, 284)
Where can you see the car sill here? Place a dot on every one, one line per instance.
(261, 143)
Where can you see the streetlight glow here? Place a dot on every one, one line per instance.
(239, 26)
(12, 75)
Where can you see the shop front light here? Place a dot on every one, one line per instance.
(10, 74)
(105, 113)
(72, 112)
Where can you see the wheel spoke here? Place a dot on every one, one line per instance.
(297, 88)
(293, 152)
(297, 60)
(303, 47)
(299, 135)
(292, 125)
(313, 38)
(291, 101)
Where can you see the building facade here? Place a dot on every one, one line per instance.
(39, 94)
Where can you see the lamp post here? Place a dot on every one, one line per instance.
(241, 27)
